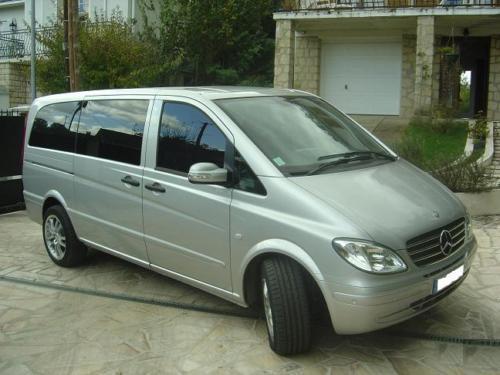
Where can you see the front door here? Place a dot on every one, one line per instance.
(108, 176)
(186, 225)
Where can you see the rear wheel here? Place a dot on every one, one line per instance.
(286, 306)
(60, 239)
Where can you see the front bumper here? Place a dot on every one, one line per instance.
(369, 309)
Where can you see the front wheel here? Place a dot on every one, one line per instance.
(286, 306)
(60, 239)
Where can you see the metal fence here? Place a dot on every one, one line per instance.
(17, 44)
(295, 5)
(11, 151)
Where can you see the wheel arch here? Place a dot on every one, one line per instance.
(53, 198)
(250, 269)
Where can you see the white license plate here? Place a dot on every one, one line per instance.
(449, 279)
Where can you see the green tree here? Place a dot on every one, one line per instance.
(111, 56)
(216, 42)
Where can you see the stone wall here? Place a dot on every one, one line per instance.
(408, 76)
(14, 83)
(424, 64)
(436, 72)
(494, 80)
(307, 64)
(284, 54)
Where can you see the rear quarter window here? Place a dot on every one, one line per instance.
(54, 127)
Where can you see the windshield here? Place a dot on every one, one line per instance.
(302, 135)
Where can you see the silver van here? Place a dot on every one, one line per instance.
(263, 197)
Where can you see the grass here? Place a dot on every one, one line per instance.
(437, 146)
(439, 141)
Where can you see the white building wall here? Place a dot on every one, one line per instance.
(10, 12)
(107, 7)
(45, 12)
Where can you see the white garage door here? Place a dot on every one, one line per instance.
(362, 78)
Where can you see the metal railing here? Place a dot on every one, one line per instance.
(17, 44)
(296, 5)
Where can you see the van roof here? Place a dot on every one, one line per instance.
(207, 92)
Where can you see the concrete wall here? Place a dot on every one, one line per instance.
(14, 84)
(307, 64)
(494, 80)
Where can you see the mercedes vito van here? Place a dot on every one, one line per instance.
(263, 197)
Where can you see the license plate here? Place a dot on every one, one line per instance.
(449, 279)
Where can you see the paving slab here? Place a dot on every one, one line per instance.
(48, 331)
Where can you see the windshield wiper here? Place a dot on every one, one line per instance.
(358, 153)
(345, 159)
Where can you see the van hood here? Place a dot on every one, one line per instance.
(392, 202)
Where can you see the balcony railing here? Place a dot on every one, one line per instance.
(17, 44)
(296, 5)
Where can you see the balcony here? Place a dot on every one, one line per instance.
(308, 5)
(17, 45)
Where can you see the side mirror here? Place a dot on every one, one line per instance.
(207, 173)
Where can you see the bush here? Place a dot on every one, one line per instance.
(464, 175)
(111, 56)
(461, 175)
(421, 142)
(479, 129)
(411, 149)
(228, 42)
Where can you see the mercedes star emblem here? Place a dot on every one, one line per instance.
(445, 242)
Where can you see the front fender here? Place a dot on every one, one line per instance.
(283, 247)
(276, 247)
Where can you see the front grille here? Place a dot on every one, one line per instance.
(425, 249)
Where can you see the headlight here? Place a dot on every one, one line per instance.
(468, 227)
(368, 256)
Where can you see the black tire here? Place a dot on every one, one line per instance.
(75, 252)
(289, 306)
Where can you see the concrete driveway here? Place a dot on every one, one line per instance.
(45, 330)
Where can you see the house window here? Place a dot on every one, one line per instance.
(83, 6)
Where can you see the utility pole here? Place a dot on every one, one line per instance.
(65, 43)
(71, 31)
(33, 51)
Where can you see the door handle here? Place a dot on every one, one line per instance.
(156, 187)
(130, 181)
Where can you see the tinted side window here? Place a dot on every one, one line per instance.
(247, 180)
(188, 136)
(112, 129)
(53, 127)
